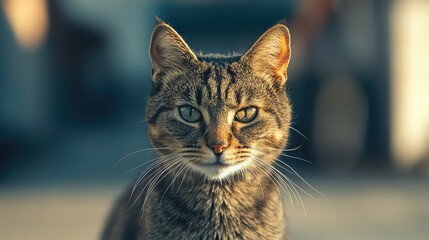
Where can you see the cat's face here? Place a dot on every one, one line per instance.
(219, 116)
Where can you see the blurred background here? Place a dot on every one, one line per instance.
(75, 74)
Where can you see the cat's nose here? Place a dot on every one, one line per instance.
(218, 148)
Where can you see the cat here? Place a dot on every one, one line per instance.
(218, 124)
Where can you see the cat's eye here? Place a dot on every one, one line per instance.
(189, 113)
(246, 115)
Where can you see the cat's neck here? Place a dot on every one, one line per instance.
(247, 186)
(243, 208)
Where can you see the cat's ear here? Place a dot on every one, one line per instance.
(168, 51)
(269, 56)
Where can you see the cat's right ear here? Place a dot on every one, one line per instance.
(269, 56)
(168, 52)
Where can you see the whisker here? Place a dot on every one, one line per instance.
(149, 169)
(130, 154)
(152, 177)
(269, 176)
(164, 167)
(290, 190)
(292, 149)
(293, 189)
(135, 152)
(282, 184)
(299, 176)
(182, 167)
(161, 159)
(282, 154)
(297, 158)
(283, 149)
(293, 183)
(140, 165)
(188, 166)
(287, 183)
(277, 163)
(298, 132)
(155, 182)
(143, 190)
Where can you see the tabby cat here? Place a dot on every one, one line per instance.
(218, 124)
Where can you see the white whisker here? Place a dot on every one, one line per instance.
(308, 184)
(135, 152)
(283, 185)
(155, 182)
(298, 132)
(182, 167)
(138, 122)
(298, 158)
(183, 177)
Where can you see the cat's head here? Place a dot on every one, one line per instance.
(219, 115)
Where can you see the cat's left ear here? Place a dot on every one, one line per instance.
(269, 56)
(168, 51)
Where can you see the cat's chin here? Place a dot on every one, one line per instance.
(217, 171)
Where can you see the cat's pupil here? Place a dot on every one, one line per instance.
(189, 114)
(246, 115)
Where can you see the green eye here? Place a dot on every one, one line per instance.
(189, 113)
(246, 115)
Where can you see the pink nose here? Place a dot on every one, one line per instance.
(218, 148)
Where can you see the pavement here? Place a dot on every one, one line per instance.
(351, 208)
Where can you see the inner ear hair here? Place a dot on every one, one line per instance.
(269, 56)
(168, 51)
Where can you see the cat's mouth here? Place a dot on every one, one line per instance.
(221, 164)
(220, 168)
(221, 161)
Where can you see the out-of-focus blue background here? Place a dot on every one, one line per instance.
(75, 74)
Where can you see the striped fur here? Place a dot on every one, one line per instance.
(238, 200)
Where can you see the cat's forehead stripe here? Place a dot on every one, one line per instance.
(229, 89)
(206, 75)
(219, 79)
(199, 96)
(219, 85)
